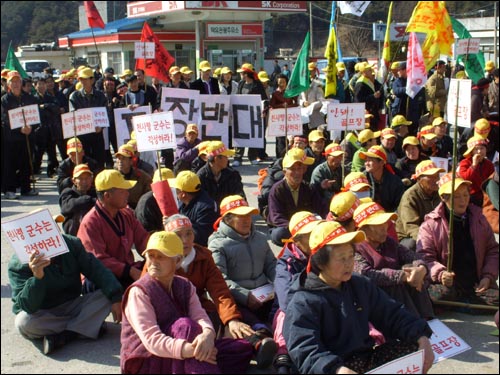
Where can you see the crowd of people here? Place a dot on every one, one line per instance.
(362, 220)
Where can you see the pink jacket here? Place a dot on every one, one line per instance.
(432, 243)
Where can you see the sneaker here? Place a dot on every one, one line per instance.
(283, 364)
(235, 163)
(31, 193)
(10, 195)
(53, 342)
(266, 349)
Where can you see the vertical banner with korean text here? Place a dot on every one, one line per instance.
(248, 128)
(462, 111)
(214, 117)
(35, 232)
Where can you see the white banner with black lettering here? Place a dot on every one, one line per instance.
(185, 106)
(214, 118)
(155, 131)
(123, 122)
(248, 127)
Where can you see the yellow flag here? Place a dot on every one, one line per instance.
(331, 55)
(432, 18)
(386, 53)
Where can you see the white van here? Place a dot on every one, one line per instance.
(34, 68)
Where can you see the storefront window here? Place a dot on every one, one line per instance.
(115, 61)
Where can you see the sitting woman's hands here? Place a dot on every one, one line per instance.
(447, 278)
(204, 347)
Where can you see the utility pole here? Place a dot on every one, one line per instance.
(311, 28)
(495, 40)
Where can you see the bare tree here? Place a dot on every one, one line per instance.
(357, 40)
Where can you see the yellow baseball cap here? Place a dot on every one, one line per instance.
(166, 174)
(174, 70)
(247, 67)
(85, 73)
(355, 181)
(5, 72)
(332, 233)
(205, 66)
(191, 128)
(74, 145)
(474, 141)
(296, 155)
(438, 121)
(365, 66)
(215, 148)
(167, 243)
(80, 169)
(263, 77)
(303, 222)
(365, 135)
(186, 181)
(426, 168)
(388, 133)
(112, 179)
(343, 204)
(316, 135)
(395, 65)
(126, 150)
(237, 205)
(490, 65)
(217, 71)
(126, 73)
(186, 70)
(428, 132)
(225, 70)
(374, 152)
(340, 66)
(482, 128)
(372, 213)
(311, 66)
(445, 183)
(399, 120)
(410, 140)
(333, 149)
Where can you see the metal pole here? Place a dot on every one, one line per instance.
(32, 177)
(311, 29)
(197, 38)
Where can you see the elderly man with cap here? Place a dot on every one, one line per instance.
(428, 140)
(185, 342)
(150, 93)
(217, 178)
(476, 167)
(369, 91)
(292, 194)
(47, 300)
(388, 138)
(248, 85)
(400, 126)
(16, 143)
(406, 166)
(386, 188)
(316, 150)
(292, 260)
(444, 142)
(110, 229)
(77, 200)
(186, 74)
(313, 97)
(125, 165)
(392, 267)
(176, 81)
(323, 338)
(418, 201)
(76, 156)
(474, 270)
(493, 92)
(246, 261)
(109, 72)
(206, 84)
(366, 139)
(327, 176)
(188, 149)
(89, 97)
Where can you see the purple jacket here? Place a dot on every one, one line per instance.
(432, 243)
(186, 150)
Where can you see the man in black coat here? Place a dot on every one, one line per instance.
(205, 84)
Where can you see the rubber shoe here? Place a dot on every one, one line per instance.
(10, 195)
(266, 349)
(53, 342)
(283, 364)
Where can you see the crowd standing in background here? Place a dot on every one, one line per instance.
(370, 202)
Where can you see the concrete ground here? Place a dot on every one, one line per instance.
(21, 356)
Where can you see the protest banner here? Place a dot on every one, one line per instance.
(248, 125)
(459, 110)
(440, 163)
(87, 119)
(154, 131)
(214, 118)
(35, 232)
(276, 122)
(444, 342)
(346, 116)
(144, 50)
(27, 115)
(184, 104)
(166, 197)
(123, 122)
(409, 364)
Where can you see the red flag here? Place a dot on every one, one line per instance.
(157, 67)
(93, 16)
(164, 197)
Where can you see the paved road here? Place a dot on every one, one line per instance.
(20, 356)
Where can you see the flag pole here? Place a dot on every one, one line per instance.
(95, 44)
(32, 177)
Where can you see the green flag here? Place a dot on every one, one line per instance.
(12, 63)
(474, 62)
(299, 81)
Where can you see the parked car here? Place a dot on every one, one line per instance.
(349, 64)
(34, 68)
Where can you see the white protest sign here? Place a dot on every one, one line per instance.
(144, 50)
(27, 115)
(440, 162)
(278, 118)
(444, 342)
(155, 131)
(35, 232)
(467, 46)
(248, 125)
(184, 104)
(100, 117)
(459, 88)
(409, 364)
(123, 122)
(346, 116)
(214, 117)
(87, 119)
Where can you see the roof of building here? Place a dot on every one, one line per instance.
(113, 27)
